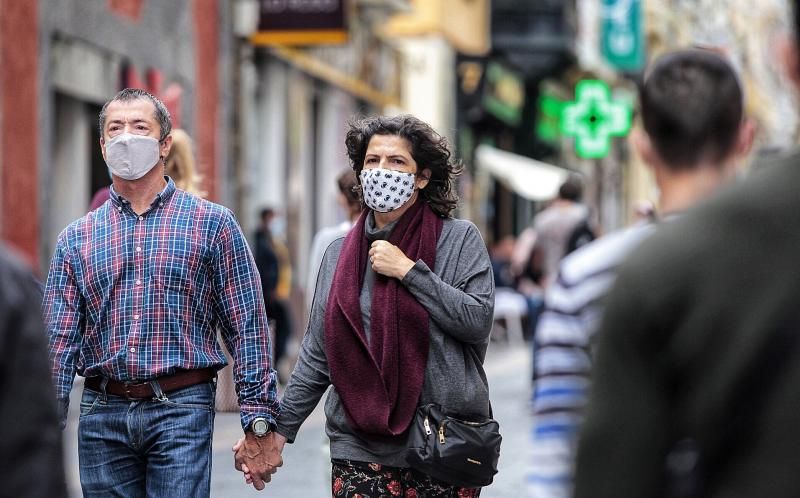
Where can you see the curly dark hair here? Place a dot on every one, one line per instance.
(429, 149)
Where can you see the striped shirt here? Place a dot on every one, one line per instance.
(134, 297)
(563, 358)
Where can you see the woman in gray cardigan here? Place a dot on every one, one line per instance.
(401, 315)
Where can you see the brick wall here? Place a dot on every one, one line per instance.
(19, 127)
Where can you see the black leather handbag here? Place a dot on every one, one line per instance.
(457, 451)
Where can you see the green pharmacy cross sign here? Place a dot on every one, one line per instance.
(593, 118)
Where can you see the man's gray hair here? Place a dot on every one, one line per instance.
(130, 94)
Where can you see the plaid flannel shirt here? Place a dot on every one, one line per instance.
(134, 297)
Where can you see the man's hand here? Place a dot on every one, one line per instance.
(259, 457)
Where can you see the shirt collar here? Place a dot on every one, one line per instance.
(161, 198)
(373, 233)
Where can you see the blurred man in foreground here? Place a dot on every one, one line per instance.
(31, 462)
(691, 155)
(697, 378)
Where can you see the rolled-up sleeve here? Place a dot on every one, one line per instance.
(240, 307)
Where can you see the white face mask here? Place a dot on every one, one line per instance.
(130, 156)
(386, 190)
(277, 227)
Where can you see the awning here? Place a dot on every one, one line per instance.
(532, 179)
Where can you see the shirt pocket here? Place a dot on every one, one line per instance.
(173, 272)
(177, 270)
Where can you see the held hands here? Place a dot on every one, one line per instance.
(389, 260)
(259, 457)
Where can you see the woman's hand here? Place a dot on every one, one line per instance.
(387, 259)
(239, 460)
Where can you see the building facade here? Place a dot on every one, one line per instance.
(61, 60)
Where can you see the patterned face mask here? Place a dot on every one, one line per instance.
(386, 190)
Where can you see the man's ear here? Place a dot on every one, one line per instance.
(644, 147)
(164, 147)
(790, 56)
(747, 133)
(103, 148)
(423, 178)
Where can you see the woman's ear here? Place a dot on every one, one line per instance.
(423, 178)
(747, 134)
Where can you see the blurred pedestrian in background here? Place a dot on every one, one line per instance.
(274, 265)
(557, 230)
(180, 164)
(560, 228)
(31, 457)
(500, 254)
(697, 378)
(135, 294)
(100, 196)
(401, 317)
(564, 225)
(349, 200)
(691, 155)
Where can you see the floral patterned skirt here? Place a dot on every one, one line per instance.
(352, 479)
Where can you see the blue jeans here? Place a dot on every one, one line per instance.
(147, 448)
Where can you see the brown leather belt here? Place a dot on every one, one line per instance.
(144, 390)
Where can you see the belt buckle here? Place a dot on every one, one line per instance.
(128, 387)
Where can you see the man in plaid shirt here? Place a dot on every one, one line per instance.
(136, 292)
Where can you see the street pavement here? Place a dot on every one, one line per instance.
(306, 469)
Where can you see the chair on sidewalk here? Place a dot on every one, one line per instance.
(509, 307)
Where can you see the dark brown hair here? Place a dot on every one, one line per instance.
(429, 149)
(130, 94)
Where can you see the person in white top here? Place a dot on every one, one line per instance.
(349, 201)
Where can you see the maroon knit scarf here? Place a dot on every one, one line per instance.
(380, 382)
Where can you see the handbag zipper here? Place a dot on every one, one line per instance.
(427, 426)
(470, 422)
(442, 439)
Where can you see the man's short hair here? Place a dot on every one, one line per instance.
(129, 94)
(692, 107)
(571, 189)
